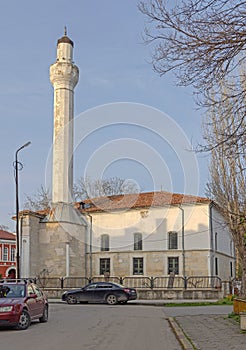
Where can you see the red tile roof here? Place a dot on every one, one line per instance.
(7, 235)
(139, 200)
(129, 201)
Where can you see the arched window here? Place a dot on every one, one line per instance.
(104, 243)
(172, 240)
(138, 241)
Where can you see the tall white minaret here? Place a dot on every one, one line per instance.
(64, 76)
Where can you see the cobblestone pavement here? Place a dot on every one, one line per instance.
(212, 332)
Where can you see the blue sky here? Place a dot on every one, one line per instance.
(114, 68)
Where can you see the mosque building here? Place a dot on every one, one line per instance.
(145, 234)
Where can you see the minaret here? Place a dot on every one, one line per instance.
(64, 76)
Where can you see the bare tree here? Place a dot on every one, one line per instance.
(227, 184)
(203, 42)
(88, 188)
(4, 228)
(41, 200)
(83, 189)
(231, 129)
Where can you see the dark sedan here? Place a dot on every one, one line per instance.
(100, 292)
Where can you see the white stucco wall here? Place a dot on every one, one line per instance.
(224, 239)
(154, 225)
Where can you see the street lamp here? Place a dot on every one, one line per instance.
(16, 166)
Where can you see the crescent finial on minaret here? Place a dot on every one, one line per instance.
(65, 31)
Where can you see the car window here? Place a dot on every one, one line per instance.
(37, 291)
(12, 291)
(30, 289)
(104, 286)
(91, 286)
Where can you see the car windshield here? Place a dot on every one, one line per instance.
(12, 291)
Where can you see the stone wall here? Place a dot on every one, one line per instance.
(159, 294)
(155, 262)
(52, 248)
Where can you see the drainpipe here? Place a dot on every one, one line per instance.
(82, 206)
(85, 251)
(183, 247)
(67, 260)
(211, 239)
(90, 250)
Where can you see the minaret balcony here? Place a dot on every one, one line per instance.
(64, 74)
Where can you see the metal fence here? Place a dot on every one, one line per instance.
(138, 282)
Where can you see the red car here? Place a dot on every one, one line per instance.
(22, 302)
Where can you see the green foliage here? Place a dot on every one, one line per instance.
(224, 301)
(234, 316)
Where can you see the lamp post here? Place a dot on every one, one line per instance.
(16, 165)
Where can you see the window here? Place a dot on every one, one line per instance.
(137, 266)
(216, 241)
(173, 265)
(172, 240)
(12, 254)
(138, 242)
(104, 266)
(104, 243)
(5, 253)
(216, 266)
(231, 268)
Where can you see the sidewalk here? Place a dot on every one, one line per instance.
(199, 331)
(208, 332)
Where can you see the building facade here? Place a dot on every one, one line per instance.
(7, 254)
(147, 234)
(158, 234)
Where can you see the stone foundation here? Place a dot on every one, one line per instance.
(159, 294)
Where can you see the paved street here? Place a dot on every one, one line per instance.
(134, 326)
(96, 327)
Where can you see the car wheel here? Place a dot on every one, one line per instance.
(111, 299)
(24, 321)
(44, 318)
(71, 299)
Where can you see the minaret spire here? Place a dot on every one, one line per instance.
(64, 76)
(65, 31)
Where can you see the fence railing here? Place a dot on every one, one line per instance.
(138, 282)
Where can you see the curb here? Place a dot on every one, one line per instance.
(186, 345)
(130, 302)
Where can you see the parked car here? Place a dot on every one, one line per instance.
(107, 292)
(22, 302)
